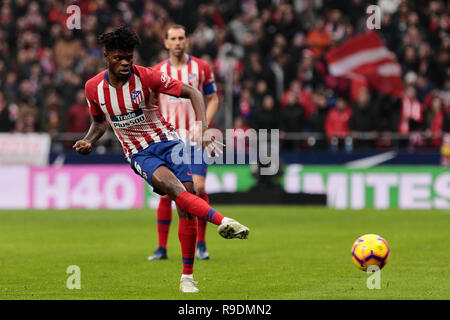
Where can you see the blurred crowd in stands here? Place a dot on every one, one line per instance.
(269, 52)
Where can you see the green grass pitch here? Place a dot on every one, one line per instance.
(292, 253)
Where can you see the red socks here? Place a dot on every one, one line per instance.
(198, 207)
(202, 223)
(187, 233)
(164, 217)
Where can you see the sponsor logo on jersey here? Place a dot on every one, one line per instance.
(128, 119)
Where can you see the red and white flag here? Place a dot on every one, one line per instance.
(366, 60)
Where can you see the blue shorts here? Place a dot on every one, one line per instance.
(146, 161)
(198, 168)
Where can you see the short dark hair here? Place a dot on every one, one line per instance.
(176, 26)
(122, 38)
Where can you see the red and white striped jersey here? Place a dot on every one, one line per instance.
(178, 111)
(129, 109)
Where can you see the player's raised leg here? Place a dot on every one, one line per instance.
(163, 220)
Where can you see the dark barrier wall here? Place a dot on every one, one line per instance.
(302, 157)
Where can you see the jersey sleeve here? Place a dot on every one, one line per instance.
(209, 85)
(160, 82)
(94, 108)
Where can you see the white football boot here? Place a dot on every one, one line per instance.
(188, 285)
(231, 229)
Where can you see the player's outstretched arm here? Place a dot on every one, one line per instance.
(211, 145)
(96, 131)
(198, 103)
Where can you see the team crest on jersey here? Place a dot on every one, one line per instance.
(137, 96)
(192, 77)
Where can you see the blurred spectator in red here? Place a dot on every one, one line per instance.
(435, 121)
(336, 122)
(56, 12)
(303, 98)
(78, 115)
(411, 116)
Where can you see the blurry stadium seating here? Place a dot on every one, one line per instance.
(268, 57)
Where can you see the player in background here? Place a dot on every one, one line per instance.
(125, 96)
(179, 112)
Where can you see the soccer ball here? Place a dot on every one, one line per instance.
(370, 250)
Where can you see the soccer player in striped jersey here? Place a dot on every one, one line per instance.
(125, 96)
(180, 114)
